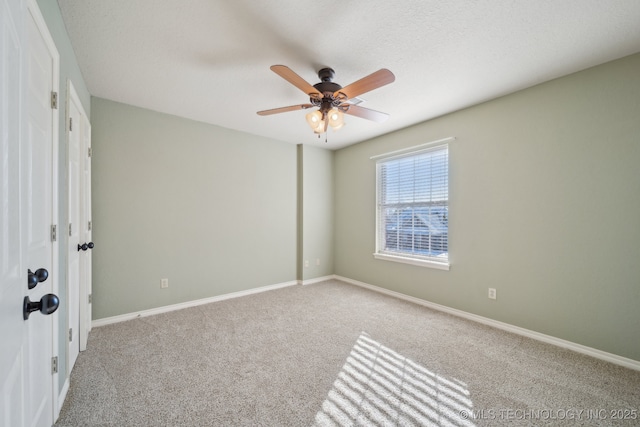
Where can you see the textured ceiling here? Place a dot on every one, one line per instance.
(208, 60)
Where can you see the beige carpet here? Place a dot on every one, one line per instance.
(332, 354)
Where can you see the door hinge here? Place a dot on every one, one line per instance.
(70, 334)
(90, 298)
(54, 233)
(70, 230)
(89, 151)
(54, 100)
(89, 226)
(54, 365)
(70, 124)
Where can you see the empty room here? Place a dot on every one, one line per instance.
(285, 213)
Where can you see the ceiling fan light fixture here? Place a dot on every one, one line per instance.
(336, 119)
(315, 121)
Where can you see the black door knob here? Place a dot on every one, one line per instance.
(47, 305)
(33, 279)
(85, 246)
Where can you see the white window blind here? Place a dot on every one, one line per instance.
(413, 205)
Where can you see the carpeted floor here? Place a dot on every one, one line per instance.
(333, 354)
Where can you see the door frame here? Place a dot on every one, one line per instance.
(34, 11)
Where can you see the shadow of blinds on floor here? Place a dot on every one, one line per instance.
(378, 386)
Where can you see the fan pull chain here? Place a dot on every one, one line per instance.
(325, 137)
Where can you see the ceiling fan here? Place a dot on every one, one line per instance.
(332, 99)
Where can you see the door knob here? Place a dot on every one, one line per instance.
(47, 305)
(85, 246)
(33, 279)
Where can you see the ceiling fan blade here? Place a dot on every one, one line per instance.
(284, 109)
(288, 74)
(372, 81)
(364, 113)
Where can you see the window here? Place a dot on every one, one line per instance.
(413, 207)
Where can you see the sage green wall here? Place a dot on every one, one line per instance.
(544, 207)
(69, 70)
(317, 213)
(211, 209)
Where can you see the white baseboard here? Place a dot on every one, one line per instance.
(317, 280)
(180, 306)
(579, 348)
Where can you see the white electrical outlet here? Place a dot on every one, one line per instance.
(306, 263)
(492, 293)
(164, 283)
(317, 261)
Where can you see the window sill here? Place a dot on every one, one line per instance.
(413, 261)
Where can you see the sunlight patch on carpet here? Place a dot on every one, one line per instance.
(378, 386)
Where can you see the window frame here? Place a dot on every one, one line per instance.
(406, 258)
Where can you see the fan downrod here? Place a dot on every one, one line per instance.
(326, 74)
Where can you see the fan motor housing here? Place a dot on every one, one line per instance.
(324, 87)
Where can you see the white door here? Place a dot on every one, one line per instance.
(13, 269)
(79, 228)
(28, 169)
(73, 273)
(85, 214)
(39, 209)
